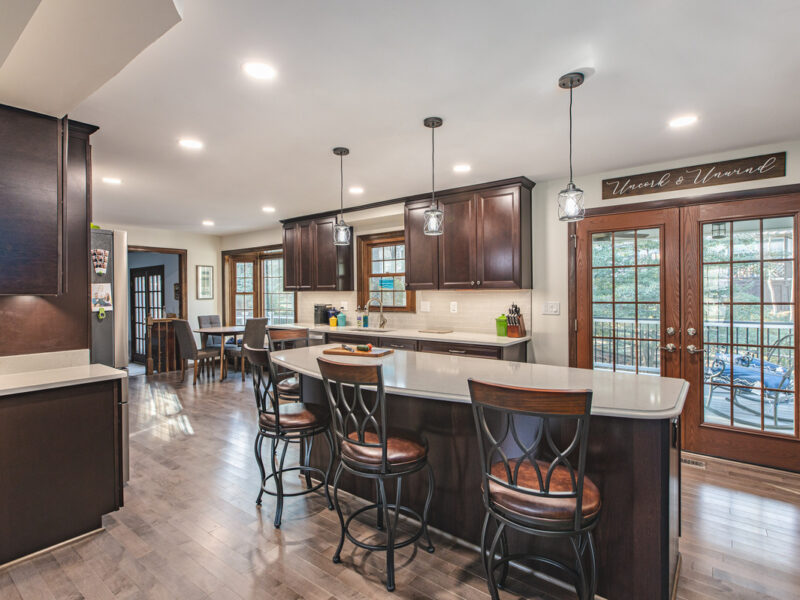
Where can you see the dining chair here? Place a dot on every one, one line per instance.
(188, 350)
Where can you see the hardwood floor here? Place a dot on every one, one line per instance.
(190, 527)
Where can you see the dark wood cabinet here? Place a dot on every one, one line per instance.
(32, 234)
(312, 261)
(422, 267)
(476, 350)
(291, 256)
(457, 243)
(486, 242)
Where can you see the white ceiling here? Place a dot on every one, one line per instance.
(54, 53)
(364, 73)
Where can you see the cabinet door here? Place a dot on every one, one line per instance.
(478, 351)
(498, 249)
(305, 256)
(457, 243)
(291, 247)
(30, 195)
(422, 251)
(325, 259)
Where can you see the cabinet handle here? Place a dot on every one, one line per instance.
(479, 282)
(457, 351)
(396, 346)
(472, 283)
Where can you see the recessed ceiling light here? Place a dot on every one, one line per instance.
(112, 180)
(258, 70)
(190, 143)
(269, 209)
(462, 168)
(683, 121)
(356, 190)
(208, 223)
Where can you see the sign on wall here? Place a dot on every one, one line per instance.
(684, 178)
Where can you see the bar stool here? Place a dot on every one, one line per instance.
(366, 448)
(285, 423)
(529, 493)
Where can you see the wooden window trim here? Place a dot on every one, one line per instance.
(255, 254)
(365, 244)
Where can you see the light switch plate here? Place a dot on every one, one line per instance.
(344, 305)
(454, 307)
(551, 308)
(425, 306)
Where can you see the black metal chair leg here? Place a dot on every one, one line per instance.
(581, 586)
(484, 549)
(389, 537)
(592, 566)
(504, 572)
(379, 524)
(309, 443)
(329, 437)
(426, 510)
(490, 562)
(259, 460)
(337, 554)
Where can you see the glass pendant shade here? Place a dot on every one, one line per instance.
(433, 221)
(570, 203)
(341, 233)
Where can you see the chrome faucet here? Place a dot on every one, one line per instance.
(382, 322)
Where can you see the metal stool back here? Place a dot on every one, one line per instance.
(523, 466)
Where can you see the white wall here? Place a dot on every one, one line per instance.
(200, 250)
(550, 333)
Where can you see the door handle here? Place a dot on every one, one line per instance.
(692, 349)
(669, 348)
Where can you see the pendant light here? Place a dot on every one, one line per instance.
(570, 199)
(341, 231)
(433, 217)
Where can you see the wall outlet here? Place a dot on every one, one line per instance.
(454, 307)
(425, 306)
(551, 308)
(344, 305)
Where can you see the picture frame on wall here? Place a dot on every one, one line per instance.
(205, 282)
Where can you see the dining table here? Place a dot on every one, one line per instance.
(223, 331)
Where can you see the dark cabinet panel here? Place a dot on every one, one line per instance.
(306, 256)
(31, 199)
(291, 255)
(475, 350)
(422, 251)
(352, 338)
(397, 343)
(498, 243)
(457, 245)
(312, 261)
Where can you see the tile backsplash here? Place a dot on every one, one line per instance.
(477, 309)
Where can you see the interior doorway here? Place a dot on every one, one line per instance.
(157, 283)
(707, 292)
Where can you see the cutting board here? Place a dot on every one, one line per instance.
(374, 353)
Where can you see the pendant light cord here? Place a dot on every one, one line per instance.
(570, 135)
(433, 168)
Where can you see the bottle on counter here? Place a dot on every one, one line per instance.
(359, 318)
(333, 321)
(341, 319)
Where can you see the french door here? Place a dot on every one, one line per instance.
(708, 293)
(147, 298)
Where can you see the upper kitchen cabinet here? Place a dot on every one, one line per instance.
(310, 259)
(31, 194)
(422, 266)
(486, 242)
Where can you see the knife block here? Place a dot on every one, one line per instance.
(517, 331)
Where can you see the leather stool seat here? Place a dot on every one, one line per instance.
(536, 507)
(290, 385)
(296, 415)
(401, 448)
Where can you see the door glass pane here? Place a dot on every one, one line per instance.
(626, 294)
(748, 295)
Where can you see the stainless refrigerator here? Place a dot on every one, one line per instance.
(109, 265)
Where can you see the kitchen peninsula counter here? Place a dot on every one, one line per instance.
(633, 454)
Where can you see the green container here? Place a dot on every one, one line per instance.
(501, 323)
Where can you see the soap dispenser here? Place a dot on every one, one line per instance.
(341, 320)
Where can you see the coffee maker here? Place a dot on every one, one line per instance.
(321, 313)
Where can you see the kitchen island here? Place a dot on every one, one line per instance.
(633, 455)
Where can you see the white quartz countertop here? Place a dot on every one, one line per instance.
(456, 337)
(444, 377)
(43, 379)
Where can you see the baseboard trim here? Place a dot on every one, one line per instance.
(16, 561)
